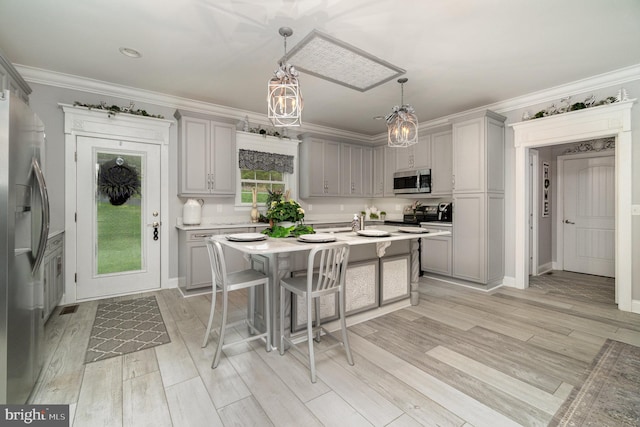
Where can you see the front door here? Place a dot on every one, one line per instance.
(118, 217)
(589, 215)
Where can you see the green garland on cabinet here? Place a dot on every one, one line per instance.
(114, 109)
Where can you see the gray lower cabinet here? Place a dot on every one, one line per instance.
(53, 273)
(436, 255)
(194, 269)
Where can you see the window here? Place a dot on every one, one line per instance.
(263, 181)
(264, 163)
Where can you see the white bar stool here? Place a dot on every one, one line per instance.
(232, 282)
(328, 279)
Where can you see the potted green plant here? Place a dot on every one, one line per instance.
(285, 211)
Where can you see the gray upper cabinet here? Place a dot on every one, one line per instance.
(478, 154)
(207, 156)
(356, 170)
(389, 170)
(320, 171)
(417, 156)
(367, 171)
(379, 172)
(441, 163)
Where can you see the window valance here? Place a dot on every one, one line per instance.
(257, 160)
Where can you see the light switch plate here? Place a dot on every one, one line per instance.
(635, 209)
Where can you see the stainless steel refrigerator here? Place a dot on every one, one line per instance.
(24, 226)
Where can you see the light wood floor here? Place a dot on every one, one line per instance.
(460, 358)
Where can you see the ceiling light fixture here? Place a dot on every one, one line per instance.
(339, 62)
(131, 53)
(402, 122)
(284, 99)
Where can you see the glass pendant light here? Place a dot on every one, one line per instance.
(402, 122)
(284, 99)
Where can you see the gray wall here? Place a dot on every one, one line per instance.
(45, 99)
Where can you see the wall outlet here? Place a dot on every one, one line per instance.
(635, 209)
(309, 207)
(341, 207)
(398, 207)
(219, 208)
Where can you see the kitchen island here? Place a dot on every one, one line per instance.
(382, 274)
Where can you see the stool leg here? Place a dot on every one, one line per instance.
(225, 300)
(317, 310)
(312, 363)
(211, 312)
(282, 295)
(343, 325)
(267, 311)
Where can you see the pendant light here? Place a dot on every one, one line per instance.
(402, 122)
(284, 99)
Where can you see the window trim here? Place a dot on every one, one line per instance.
(269, 144)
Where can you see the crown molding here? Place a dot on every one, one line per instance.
(99, 87)
(600, 81)
(83, 84)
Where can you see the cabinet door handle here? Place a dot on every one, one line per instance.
(202, 236)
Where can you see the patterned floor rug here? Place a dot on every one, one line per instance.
(610, 395)
(122, 327)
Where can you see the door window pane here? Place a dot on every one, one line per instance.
(119, 212)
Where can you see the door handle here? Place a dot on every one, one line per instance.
(566, 221)
(44, 226)
(155, 225)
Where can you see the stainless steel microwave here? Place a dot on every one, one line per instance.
(407, 182)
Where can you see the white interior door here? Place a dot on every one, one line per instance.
(589, 215)
(118, 216)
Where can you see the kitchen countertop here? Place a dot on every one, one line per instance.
(212, 226)
(277, 245)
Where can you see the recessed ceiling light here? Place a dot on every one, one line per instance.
(131, 53)
(378, 117)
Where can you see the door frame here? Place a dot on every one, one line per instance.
(560, 199)
(590, 123)
(534, 162)
(80, 121)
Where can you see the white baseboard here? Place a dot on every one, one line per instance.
(545, 268)
(509, 281)
(172, 282)
(635, 306)
(556, 265)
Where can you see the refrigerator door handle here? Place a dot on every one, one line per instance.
(44, 227)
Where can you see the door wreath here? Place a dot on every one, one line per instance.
(118, 181)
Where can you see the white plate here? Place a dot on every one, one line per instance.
(373, 233)
(317, 238)
(246, 237)
(417, 230)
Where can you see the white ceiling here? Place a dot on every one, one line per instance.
(459, 54)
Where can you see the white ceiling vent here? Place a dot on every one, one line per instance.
(331, 59)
